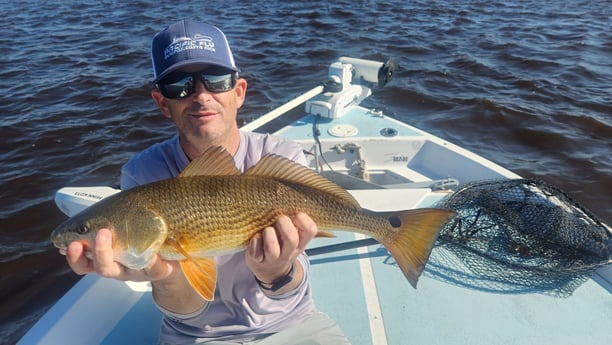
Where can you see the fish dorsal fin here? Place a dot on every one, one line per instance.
(214, 161)
(283, 169)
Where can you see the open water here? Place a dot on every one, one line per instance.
(527, 84)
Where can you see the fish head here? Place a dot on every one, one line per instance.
(81, 228)
(137, 232)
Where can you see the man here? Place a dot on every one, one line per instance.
(262, 294)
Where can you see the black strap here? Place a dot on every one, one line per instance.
(279, 283)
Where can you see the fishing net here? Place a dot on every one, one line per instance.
(519, 236)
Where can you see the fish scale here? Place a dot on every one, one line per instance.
(205, 211)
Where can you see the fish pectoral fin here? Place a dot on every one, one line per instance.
(202, 275)
(325, 234)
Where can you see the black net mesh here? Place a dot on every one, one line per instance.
(519, 236)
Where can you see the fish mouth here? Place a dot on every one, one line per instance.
(62, 247)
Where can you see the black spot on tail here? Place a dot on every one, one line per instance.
(395, 221)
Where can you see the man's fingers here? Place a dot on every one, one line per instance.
(104, 262)
(288, 237)
(307, 229)
(271, 244)
(100, 259)
(256, 250)
(75, 255)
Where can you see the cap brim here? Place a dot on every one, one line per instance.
(202, 62)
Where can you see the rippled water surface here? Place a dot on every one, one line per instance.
(527, 84)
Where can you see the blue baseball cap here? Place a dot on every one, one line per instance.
(189, 42)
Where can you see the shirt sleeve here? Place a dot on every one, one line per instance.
(158, 162)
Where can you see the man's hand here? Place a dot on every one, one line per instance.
(101, 261)
(171, 289)
(272, 252)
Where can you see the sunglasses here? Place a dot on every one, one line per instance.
(182, 84)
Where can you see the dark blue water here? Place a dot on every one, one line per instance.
(527, 84)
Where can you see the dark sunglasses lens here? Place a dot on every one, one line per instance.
(219, 83)
(182, 85)
(178, 87)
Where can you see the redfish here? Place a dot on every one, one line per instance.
(212, 209)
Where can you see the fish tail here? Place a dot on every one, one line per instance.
(415, 234)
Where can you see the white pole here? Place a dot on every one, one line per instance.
(271, 115)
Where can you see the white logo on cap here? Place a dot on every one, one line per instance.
(180, 44)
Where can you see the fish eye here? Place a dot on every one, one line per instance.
(83, 229)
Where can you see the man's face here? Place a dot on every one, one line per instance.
(204, 118)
